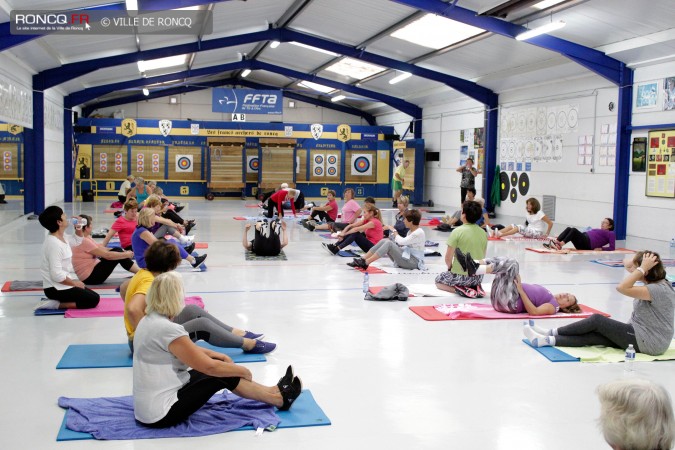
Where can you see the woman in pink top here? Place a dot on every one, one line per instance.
(366, 233)
(351, 211)
(124, 226)
(93, 263)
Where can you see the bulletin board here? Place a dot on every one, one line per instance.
(110, 162)
(10, 160)
(661, 164)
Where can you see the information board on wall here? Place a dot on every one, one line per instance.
(661, 164)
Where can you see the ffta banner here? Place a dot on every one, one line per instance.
(247, 101)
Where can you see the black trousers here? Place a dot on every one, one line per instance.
(104, 268)
(193, 396)
(83, 298)
(173, 216)
(360, 239)
(580, 240)
(122, 198)
(321, 215)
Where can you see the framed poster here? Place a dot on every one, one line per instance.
(660, 170)
(647, 95)
(639, 154)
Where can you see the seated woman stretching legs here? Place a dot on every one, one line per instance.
(650, 328)
(124, 226)
(267, 241)
(366, 233)
(166, 391)
(509, 295)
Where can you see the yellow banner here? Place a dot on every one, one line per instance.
(131, 128)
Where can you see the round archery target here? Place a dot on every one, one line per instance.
(118, 168)
(318, 171)
(362, 164)
(104, 157)
(332, 159)
(332, 171)
(318, 159)
(155, 169)
(504, 185)
(514, 195)
(139, 168)
(254, 164)
(184, 163)
(514, 179)
(523, 184)
(140, 157)
(155, 156)
(103, 168)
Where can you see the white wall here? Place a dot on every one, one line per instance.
(16, 101)
(53, 146)
(197, 106)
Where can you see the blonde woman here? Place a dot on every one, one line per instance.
(366, 232)
(277, 199)
(164, 226)
(166, 390)
(143, 238)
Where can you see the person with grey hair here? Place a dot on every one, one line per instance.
(636, 414)
(125, 188)
(139, 191)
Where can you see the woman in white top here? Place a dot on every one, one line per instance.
(166, 391)
(125, 188)
(61, 286)
(538, 224)
(406, 252)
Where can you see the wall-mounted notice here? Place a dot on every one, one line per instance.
(661, 164)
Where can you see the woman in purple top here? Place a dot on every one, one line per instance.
(509, 295)
(594, 239)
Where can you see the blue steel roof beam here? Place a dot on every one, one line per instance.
(67, 72)
(401, 105)
(9, 40)
(85, 95)
(468, 88)
(593, 60)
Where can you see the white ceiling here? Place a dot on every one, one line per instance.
(628, 30)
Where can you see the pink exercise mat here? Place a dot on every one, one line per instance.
(480, 311)
(114, 307)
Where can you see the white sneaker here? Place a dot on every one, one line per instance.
(497, 234)
(47, 304)
(186, 239)
(490, 232)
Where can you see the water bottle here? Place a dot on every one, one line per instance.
(366, 283)
(672, 248)
(630, 358)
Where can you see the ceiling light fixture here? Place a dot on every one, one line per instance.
(275, 44)
(436, 32)
(354, 68)
(161, 63)
(547, 4)
(246, 73)
(540, 30)
(132, 5)
(173, 101)
(337, 98)
(146, 92)
(400, 78)
(316, 86)
(316, 49)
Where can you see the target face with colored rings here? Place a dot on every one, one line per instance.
(318, 171)
(318, 159)
(254, 164)
(514, 195)
(184, 163)
(362, 164)
(331, 171)
(332, 159)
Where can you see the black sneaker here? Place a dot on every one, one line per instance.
(332, 248)
(309, 226)
(190, 248)
(178, 209)
(290, 393)
(188, 227)
(354, 263)
(199, 260)
(471, 265)
(287, 379)
(461, 259)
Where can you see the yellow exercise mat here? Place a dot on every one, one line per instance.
(611, 355)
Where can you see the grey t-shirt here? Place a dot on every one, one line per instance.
(653, 320)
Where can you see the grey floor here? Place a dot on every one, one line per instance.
(385, 377)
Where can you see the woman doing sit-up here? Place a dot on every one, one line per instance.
(595, 239)
(650, 328)
(509, 295)
(267, 240)
(173, 377)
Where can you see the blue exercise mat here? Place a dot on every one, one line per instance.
(348, 254)
(49, 312)
(304, 413)
(99, 356)
(553, 354)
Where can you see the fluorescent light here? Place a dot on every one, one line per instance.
(173, 100)
(546, 4)
(436, 32)
(132, 5)
(161, 63)
(401, 77)
(337, 98)
(354, 68)
(317, 87)
(540, 30)
(316, 49)
(275, 44)
(146, 92)
(246, 73)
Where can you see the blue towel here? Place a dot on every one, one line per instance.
(553, 354)
(113, 417)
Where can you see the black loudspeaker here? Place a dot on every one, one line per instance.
(87, 195)
(412, 126)
(81, 129)
(75, 116)
(392, 137)
(85, 173)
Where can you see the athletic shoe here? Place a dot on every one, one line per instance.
(47, 304)
(190, 248)
(310, 227)
(117, 213)
(188, 227)
(490, 232)
(465, 291)
(262, 347)
(480, 291)
(286, 380)
(394, 204)
(251, 335)
(548, 245)
(199, 260)
(186, 239)
(332, 248)
(178, 209)
(556, 244)
(355, 263)
(290, 393)
(461, 259)
(471, 265)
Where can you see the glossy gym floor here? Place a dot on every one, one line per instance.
(386, 378)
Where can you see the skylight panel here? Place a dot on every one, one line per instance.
(354, 68)
(436, 32)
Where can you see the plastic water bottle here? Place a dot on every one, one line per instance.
(630, 358)
(366, 283)
(672, 248)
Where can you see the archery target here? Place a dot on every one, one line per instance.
(362, 165)
(514, 195)
(332, 171)
(252, 164)
(331, 165)
(318, 171)
(318, 159)
(139, 168)
(514, 179)
(504, 185)
(318, 165)
(332, 159)
(523, 184)
(183, 163)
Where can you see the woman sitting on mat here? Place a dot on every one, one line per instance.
(61, 286)
(509, 295)
(166, 390)
(163, 257)
(538, 224)
(602, 238)
(650, 328)
(164, 226)
(399, 224)
(94, 263)
(267, 241)
(327, 212)
(139, 191)
(125, 188)
(124, 226)
(406, 252)
(366, 232)
(169, 211)
(143, 238)
(351, 211)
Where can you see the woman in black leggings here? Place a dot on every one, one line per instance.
(602, 238)
(650, 329)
